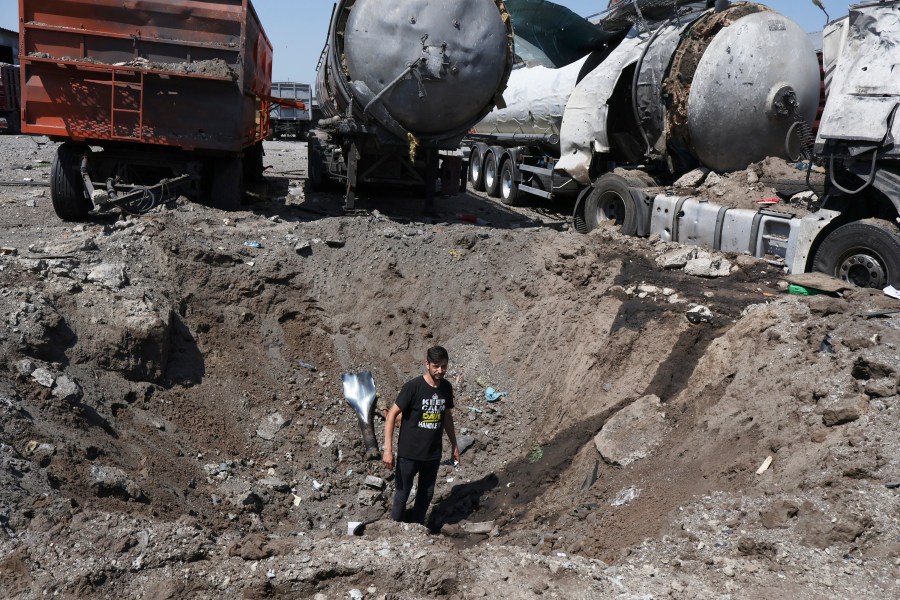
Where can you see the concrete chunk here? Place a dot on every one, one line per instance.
(270, 426)
(845, 411)
(632, 433)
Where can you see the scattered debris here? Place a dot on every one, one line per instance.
(492, 395)
(271, 425)
(626, 496)
(699, 314)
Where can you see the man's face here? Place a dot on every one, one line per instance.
(437, 370)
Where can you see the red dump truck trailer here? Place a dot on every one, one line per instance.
(147, 97)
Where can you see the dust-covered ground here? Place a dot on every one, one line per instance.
(173, 423)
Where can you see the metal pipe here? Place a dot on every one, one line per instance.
(388, 87)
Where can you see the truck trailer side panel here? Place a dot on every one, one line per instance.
(183, 74)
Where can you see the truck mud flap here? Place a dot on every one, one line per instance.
(642, 203)
(578, 220)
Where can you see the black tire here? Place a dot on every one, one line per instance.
(492, 175)
(865, 253)
(509, 187)
(476, 170)
(791, 187)
(227, 188)
(14, 123)
(610, 203)
(253, 163)
(67, 191)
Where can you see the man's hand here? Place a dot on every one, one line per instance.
(388, 457)
(455, 451)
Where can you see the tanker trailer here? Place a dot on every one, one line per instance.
(400, 81)
(684, 84)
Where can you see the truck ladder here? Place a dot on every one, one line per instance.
(127, 101)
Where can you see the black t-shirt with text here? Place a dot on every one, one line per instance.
(423, 409)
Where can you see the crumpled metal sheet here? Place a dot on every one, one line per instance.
(862, 58)
(359, 391)
(652, 71)
(584, 128)
(536, 100)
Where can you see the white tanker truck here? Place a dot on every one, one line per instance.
(400, 81)
(720, 85)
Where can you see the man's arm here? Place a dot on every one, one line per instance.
(451, 434)
(388, 455)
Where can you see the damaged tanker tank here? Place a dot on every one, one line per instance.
(671, 85)
(390, 84)
(662, 87)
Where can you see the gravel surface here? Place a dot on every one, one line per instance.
(172, 423)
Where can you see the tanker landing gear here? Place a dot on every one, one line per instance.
(865, 253)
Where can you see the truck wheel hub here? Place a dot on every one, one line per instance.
(863, 270)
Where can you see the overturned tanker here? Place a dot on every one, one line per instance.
(685, 85)
(399, 82)
(706, 84)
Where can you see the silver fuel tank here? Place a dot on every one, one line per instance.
(405, 68)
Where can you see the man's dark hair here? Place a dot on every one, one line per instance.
(437, 354)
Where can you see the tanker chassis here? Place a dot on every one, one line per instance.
(658, 128)
(399, 85)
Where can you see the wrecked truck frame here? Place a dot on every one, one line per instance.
(851, 229)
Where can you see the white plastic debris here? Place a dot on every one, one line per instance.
(626, 496)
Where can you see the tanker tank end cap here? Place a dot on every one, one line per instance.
(783, 103)
(722, 5)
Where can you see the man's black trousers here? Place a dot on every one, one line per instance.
(406, 470)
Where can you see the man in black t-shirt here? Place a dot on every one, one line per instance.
(425, 403)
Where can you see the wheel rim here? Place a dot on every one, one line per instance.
(506, 184)
(610, 209)
(490, 173)
(863, 269)
(476, 169)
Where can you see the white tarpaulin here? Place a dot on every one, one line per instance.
(536, 100)
(584, 123)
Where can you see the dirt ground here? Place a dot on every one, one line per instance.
(172, 422)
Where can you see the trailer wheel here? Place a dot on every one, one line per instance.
(509, 187)
(476, 170)
(227, 184)
(492, 176)
(864, 253)
(66, 185)
(610, 204)
(253, 163)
